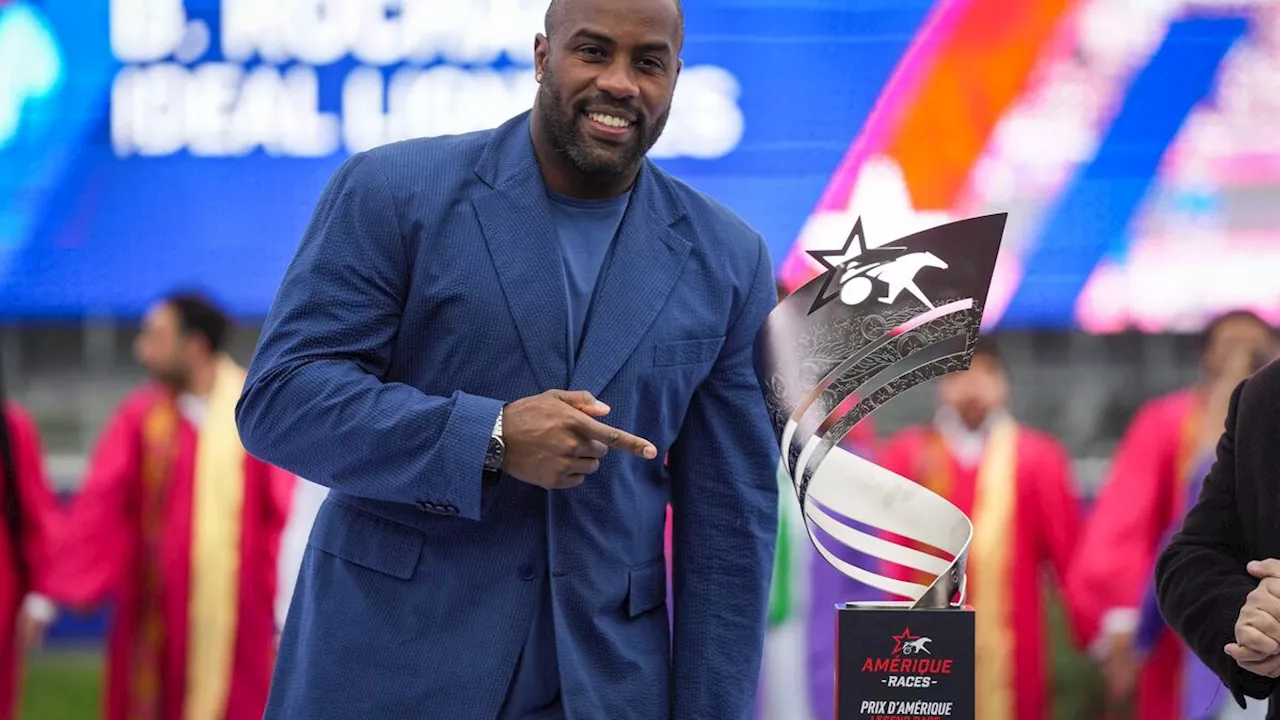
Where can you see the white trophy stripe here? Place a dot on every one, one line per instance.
(871, 495)
(900, 588)
(803, 461)
(940, 311)
(855, 539)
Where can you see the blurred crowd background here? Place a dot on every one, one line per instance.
(152, 145)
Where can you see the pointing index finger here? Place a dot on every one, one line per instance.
(615, 438)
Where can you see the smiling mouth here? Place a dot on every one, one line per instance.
(612, 122)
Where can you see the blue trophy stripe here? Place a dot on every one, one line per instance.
(1099, 205)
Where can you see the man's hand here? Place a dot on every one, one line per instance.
(554, 441)
(1120, 667)
(1257, 645)
(34, 617)
(31, 631)
(1266, 667)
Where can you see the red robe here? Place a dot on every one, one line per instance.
(1144, 491)
(1025, 518)
(40, 521)
(131, 538)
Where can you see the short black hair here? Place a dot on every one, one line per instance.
(987, 349)
(551, 21)
(1231, 316)
(198, 315)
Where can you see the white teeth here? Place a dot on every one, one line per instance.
(609, 120)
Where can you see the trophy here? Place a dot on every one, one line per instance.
(883, 318)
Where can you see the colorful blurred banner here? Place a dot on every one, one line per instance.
(1127, 142)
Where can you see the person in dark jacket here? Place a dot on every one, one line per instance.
(1218, 580)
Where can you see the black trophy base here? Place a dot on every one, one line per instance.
(894, 663)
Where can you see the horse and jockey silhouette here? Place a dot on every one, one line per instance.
(856, 265)
(916, 646)
(898, 274)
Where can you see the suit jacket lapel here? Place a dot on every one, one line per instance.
(646, 260)
(516, 221)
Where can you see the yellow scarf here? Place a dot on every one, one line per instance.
(216, 532)
(993, 514)
(989, 557)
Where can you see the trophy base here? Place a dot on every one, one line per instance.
(895, 663)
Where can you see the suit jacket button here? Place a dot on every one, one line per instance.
(526, 571)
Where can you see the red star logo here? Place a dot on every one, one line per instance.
(902, 639)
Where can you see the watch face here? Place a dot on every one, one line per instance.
(493, 458)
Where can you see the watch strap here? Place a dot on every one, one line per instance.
(494, 454)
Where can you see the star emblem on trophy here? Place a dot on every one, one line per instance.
(858, 271)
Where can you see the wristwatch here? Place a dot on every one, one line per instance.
(497, 448)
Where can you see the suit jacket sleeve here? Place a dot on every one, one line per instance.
(1201, 581)
(315, 402)
(725, 510)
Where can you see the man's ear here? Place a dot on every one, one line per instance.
(541, 45)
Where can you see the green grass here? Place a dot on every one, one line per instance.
(63, 685)
(1077, 689)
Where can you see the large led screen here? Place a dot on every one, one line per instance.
(150, 144)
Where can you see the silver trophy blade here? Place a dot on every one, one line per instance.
(881, 320)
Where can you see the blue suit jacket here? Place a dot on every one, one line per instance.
(427, 291)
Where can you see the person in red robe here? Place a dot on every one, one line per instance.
(1015, 484)
(32, 518)
(1144, 492)
(181, 528)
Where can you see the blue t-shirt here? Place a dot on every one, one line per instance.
(585, 230)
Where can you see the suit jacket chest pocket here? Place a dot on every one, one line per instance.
(689, 355)
(669, 381)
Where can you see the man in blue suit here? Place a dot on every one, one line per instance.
(486, 346)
